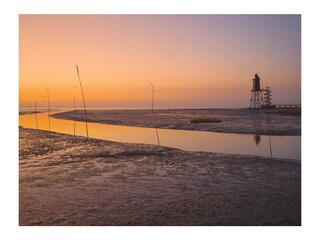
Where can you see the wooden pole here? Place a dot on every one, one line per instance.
(75, 116)
(35, 113)
(49, 109)
(84, 103)
(154, 116)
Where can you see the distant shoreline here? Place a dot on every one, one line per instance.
(240, 121)
(31, 110)
(288, 112)
(134, 108)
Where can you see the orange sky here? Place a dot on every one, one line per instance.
(194, 60)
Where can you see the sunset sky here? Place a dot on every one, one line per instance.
(194, 60)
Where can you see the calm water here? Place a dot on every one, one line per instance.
(288, 147)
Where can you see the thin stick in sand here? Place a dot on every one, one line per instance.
(35, 113)
(84, 103)
(49, 108)
(75, 116)
(154, 116)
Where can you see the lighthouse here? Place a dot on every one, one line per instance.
(256, 100)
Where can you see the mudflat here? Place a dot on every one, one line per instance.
(72, 181)
(242, 121)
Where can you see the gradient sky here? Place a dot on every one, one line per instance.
(194, 60)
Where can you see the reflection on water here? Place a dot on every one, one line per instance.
(257, 125)
(283, 146)
(270, 146)
(257, 139)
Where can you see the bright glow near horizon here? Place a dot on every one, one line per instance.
(194, 60)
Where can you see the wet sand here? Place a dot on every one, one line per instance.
(243, 121)
(67, 180)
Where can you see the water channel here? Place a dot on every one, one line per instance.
(288, 147)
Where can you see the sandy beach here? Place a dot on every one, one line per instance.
(67, 180)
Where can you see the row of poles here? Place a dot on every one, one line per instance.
(85, 109)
